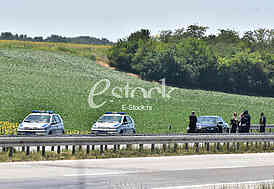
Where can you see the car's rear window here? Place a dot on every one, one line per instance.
(207, 120)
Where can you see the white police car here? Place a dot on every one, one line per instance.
(114, 123)
(41, 123)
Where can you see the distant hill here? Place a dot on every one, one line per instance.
(56, 38)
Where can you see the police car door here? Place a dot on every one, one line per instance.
(54, 124)
(125, 124)
(59, 123)
(130, 123)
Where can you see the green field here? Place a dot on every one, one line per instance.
(59, 80)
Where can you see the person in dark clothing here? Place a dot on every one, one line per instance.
(248, 121)
(234, 123)
(192, 123)
(245, 120)
(242, 123)
(262, 123)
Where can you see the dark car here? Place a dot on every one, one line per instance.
(211, 124)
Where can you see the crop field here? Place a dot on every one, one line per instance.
(59, 77)
(85, 50)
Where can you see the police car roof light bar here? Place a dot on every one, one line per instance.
(42, 111)
(121, 113)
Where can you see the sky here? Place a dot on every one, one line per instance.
(115, 19)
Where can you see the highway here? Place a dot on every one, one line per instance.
(196, 171)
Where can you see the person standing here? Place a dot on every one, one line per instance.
(248, 118)
(242, 123)
(262, 123)
(234, 123)
(245, 122)
(192, 122)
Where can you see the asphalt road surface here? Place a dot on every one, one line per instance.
(198, 171)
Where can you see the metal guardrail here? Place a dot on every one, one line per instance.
(268, 128)
(194, 140)
(5, 131)
(120, 140)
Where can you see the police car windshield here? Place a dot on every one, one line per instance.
(110, 119)
(207, 120)
(38, 119)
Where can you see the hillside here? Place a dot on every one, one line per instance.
(45, 76)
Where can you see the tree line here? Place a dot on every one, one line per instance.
(189, 58)
(56, 38)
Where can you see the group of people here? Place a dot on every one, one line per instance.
(241, 125)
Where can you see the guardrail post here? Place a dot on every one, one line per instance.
(43, 151)
(197, 147)
(88, 149)
(10, 152)
(118, 147)
(247, 146)
(101, 149)
(38, 148)
(152, 147)
(114, 147)
(67, 147)
(207, 147)
(175, 147)
(164, 147)
(256, 144)
(218, 146)
(73, 149)
(141, 147)
(52, 148)
(92, 147)
(227, 147)
(129, 146)
(238, 146)
(58, 149)
(270, 130)
(264, 145)
(186, 147)
(106, 147)
(269, 145)
(28, 150)
(80, 148)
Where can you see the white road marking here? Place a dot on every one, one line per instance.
(100, 174)
(216, 185)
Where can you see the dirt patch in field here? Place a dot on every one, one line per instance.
(106, 65)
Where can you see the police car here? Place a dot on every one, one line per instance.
(41, 123)
(114, 123)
